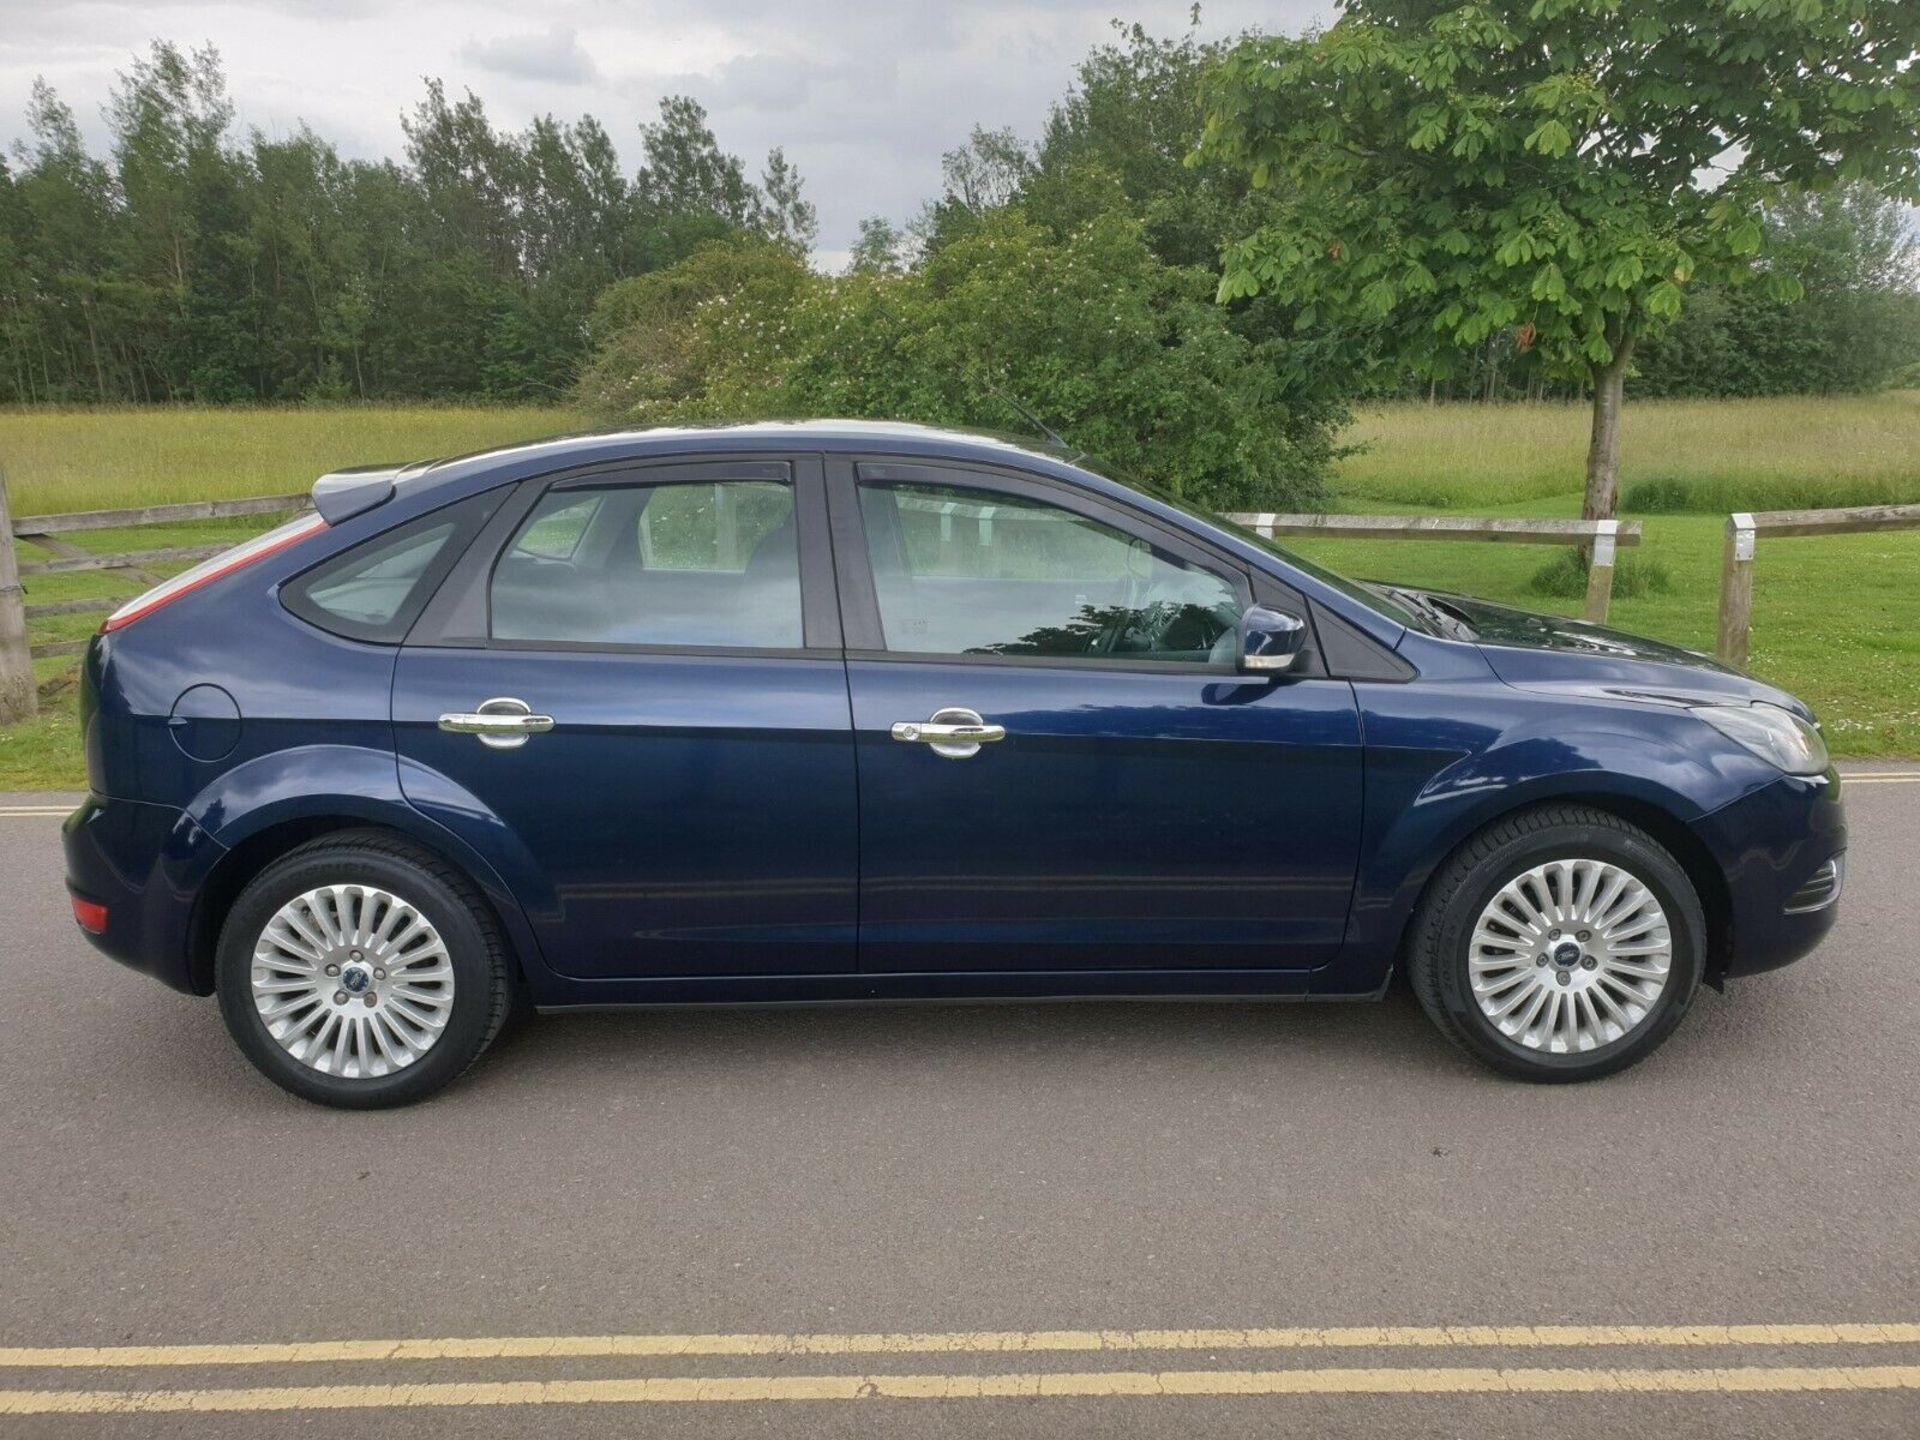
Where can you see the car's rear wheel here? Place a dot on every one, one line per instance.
(1559, 944)
(359, 971)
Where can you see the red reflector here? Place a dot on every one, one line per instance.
(91, 914)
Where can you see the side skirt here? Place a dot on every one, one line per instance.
(1016, 987)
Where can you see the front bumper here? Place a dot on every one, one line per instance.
(145, 863)
(1771, 846)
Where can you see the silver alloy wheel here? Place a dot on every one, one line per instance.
(1570, 956)
(352, 981)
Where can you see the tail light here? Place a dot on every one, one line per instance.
(205, 573)
(91, 915)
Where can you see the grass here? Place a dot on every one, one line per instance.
(1767, 453)
(1836, 619)
(59, 460)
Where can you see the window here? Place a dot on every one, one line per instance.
(696, 564)
(973, 572)
(375, 590)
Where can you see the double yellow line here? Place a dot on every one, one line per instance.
(1085, 1383)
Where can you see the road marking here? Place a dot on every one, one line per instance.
(1108, 1383)
(975, 1342)
(1884, 777)
(34, 812)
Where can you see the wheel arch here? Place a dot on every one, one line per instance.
(1672, 833)
(251, 854)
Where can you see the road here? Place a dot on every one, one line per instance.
(922, 1193)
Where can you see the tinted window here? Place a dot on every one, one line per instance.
(706, 564)
(375, 590)
(974, 572)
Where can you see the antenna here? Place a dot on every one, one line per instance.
(1031, 418)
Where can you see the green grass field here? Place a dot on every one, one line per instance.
(1836, 619)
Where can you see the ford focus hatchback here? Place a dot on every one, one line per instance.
(856, 712)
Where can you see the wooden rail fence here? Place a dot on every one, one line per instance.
(1602, 535)
(1744, 530)
(18, 698)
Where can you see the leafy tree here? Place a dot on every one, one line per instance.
(685, 171)
(1129, 357)
(1121, 138)
(787, 218)
(1564, 169)
(878, 250)
(1854, 256)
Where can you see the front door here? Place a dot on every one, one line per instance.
(1127, 800)
(690, 811)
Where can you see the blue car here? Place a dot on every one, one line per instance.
(839, 711)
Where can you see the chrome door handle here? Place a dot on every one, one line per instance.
(954, 732)
(502, 723)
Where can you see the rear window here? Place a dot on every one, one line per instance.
(377, 589)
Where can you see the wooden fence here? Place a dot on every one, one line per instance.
(17, 690)
(1603, 535)
(1743, 533)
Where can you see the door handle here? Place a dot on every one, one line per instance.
(503, 723)
(954, 732)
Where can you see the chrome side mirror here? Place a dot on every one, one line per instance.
(1270, 641)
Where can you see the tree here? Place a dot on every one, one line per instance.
(1857, 327)
(787, 218)
(877, 251)
(1563, 169)
(1129, 357)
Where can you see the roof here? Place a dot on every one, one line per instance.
(783, 434)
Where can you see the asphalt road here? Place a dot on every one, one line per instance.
(932, 1186)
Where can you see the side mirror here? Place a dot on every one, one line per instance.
(1270, 641)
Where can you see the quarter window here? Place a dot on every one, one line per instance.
(376, 590)
(695, 564)
(973, 572)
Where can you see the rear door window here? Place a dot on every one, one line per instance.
(706, 564)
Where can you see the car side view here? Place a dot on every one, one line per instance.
(842, 711)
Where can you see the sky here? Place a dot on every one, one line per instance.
(864, 95)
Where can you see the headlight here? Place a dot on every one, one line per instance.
(1777, 736)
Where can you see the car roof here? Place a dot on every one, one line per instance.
(834, 435)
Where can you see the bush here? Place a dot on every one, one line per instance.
(1129, 358)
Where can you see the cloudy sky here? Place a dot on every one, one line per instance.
(863, 94)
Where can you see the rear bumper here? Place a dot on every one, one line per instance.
(1771, 844)
(145, 863)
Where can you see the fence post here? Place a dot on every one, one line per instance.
(19, 697)
(1736, 590)
(1600, 572)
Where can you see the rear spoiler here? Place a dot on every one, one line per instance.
(344, 494)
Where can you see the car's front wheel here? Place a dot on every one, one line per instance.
(359, 971)
(1559, 944)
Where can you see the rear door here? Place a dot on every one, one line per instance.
(1148, 807)
(691, 809)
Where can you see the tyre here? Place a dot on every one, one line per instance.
(1558, 944)
(358, 971)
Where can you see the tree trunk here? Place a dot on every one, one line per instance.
(1603, 450)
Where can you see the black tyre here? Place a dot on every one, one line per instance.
(1558, 944)
(359, 971)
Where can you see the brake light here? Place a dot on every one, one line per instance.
(207, 571)
(91, 914)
